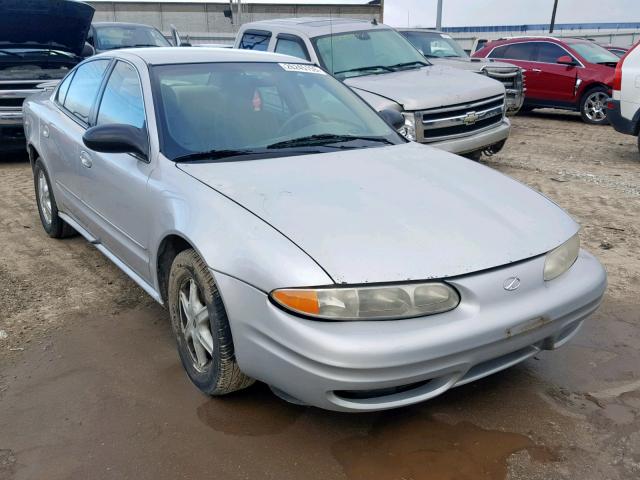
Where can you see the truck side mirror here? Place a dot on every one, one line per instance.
(393, 118)
(88, 50)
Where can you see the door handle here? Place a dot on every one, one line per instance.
(85, 159)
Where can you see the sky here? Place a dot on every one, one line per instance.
(508, 12)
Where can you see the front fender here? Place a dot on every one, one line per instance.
(229, 238)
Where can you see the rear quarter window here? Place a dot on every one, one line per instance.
(255, 41)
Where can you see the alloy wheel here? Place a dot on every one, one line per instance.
(44, 197)
(195, 325)
(595, 106)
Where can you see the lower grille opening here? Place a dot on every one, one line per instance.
(460, 129)
(380, 392)
(11, 102)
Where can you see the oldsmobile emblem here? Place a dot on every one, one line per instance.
(470, 119)
(511, 284)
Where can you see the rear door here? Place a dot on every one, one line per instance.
(75, 99)
(556, 82)
(115, 184)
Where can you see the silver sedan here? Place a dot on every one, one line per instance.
(294, 236)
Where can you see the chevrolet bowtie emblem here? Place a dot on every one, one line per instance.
(470, 119)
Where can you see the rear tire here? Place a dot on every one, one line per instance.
(55, 226)
(593, 106)
(201, 327)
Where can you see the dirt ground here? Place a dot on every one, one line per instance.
(91, 385)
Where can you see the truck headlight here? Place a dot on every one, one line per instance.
(560, 259)
(408, 131)
(389, 302)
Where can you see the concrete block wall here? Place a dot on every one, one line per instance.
(205, 22)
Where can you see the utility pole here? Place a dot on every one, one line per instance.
(381, 11)
(553, 16)
(439, 16)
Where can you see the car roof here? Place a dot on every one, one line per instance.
(421, 29)
(181, 55)
(120, 24)
(317, 26)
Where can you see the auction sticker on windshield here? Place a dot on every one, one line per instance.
(301, 68)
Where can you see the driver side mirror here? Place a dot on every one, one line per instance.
(566, 60)
(117, 138)
(88, 50)
(393, 118)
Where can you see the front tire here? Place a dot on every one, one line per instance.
(593, 106)
(201, 327)
(47, 206)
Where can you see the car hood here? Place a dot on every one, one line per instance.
(472, 64)
(405, 212)
(56, 24)
(429, 87)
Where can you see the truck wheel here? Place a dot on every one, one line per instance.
(47, 207)
(201, 327)
(593, 106)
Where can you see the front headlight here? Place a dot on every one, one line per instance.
(560, 259)
(390, 302)
(409, 129)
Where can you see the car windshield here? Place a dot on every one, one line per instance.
(126, 36)
(594, 53)
(211, 110)
(435, 45)
(366, 52)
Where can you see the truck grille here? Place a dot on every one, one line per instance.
(514, 84)
(12, 94)
(460, 120)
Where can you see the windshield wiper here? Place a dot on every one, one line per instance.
(365, 69)
(409, 64)
(8, 52)
(213, 155)
(325, 139)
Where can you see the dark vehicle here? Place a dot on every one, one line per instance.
(40, 41)
(566, 73)
(104, 36)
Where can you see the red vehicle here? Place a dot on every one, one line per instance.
(566, 73)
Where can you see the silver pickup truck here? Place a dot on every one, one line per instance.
(441, 49)
(451, 109)
(40, 42)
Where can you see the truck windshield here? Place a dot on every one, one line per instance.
(366, 52)
(224, 110)
(594, 53)
(127, 36)
(435, 45)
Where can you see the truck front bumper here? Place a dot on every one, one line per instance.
(376, 365)
(11, 131)
(476, 142)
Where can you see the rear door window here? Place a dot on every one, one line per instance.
(255, 41)
(293, 46)
(524, 51)
(84, 88)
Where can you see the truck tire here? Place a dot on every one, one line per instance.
(55, 226)
(593, 106)
(201, 327)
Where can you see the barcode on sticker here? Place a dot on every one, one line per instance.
(301, 68)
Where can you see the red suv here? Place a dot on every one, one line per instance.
(567, 73)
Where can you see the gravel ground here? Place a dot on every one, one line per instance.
(91, 386)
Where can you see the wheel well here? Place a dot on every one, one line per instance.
(169, 248)
(591, 86)
(33, 154)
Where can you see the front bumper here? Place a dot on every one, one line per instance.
(11, 131)
(365, 366)
(476, 142)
